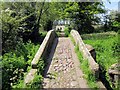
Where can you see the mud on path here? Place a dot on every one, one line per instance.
(63, 68)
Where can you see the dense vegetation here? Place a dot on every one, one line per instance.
(25, 24)
(107, 49)
(16, 63)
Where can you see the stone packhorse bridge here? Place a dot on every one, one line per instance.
(63, 67)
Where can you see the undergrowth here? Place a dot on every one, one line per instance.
(16, 64)
(108, 50)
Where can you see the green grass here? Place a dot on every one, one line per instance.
(104, 49)
(98, 36)
(44, 33)
(107, 50)
(84, 65)
(73, 41)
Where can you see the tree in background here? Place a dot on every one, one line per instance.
(83, 14)
(23, 21)
(116, 22)
(112, 21)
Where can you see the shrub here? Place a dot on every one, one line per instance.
(15, 64)
(12, 69)
(67, 31)
(41, 66)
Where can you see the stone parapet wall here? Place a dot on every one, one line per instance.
(44, 48)
(86, 54)
(42, 52)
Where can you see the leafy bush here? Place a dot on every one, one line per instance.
(16, 63)
(58, 33)
(12, 69)
(67, 31)
(28, 51)
(41, 66)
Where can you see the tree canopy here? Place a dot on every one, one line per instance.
(23, 21)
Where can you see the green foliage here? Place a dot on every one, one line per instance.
(104, 51)
(72, 39)
(107, 52)
(84, 64)
(116, 47)
(58, 33)
(27, 50)
(38, 78)
(83, 14)
(67, 31)
(19, 84)
(98, 36)
(41, 66)
(21, 21)
(16, 63)
(12, 69)
(36, 83)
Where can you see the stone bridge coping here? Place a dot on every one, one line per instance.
(41, 50)
(86, 54)
(40, 53)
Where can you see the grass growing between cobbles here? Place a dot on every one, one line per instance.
(84, 65)
(107, 51)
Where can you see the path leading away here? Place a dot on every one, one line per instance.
(64, 67)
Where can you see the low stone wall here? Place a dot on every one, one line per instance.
(86, 54)
(44, 48)
(42, 52)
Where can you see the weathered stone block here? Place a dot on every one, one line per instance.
(114, 73)
(91, 50)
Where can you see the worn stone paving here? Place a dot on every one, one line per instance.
(62, 70)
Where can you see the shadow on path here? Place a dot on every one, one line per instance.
(49, 60)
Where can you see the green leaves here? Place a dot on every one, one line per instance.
(83, 14)
(106, 51)
(11, 66)
(67, 31)
(15, 63)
